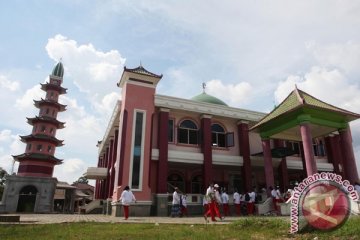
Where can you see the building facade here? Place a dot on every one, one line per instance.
(154, 143)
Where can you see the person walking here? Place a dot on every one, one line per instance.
(175, 210)
(126, 198)
(210, 199)
(236, 200)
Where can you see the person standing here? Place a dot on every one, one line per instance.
(126, 198)
(184, 211)
(175, 210)
(236, 197)
(275, 198)
(251, 202)
(225, 202)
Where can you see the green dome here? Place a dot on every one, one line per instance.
(203, 97)
(58, 70)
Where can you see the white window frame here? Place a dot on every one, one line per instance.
(141, 171)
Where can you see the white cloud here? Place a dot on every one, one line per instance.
(70, 170)
(27, 100)
(233, 94)
(8, 84)
(10, 144)
(89, 68)
(345, 56)
(107, 104)
(330, 86)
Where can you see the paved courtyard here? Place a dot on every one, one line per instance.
(64, 218)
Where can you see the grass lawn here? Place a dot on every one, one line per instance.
(247, 228)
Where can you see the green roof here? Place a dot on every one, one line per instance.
(299, 99)
(58, 70)
(203, 97)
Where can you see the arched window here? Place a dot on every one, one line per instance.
(175, 180)
(218, 135)
(188, 132)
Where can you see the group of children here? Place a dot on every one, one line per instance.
(214, 198)
(179, 204)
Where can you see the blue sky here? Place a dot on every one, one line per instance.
(250, 54)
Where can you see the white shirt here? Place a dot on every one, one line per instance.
(275, 194)
(252, 196)
(209, 194)
(224, 198)
(127, 197)
(183, 200)
(217, 196)
(176, 198)
(236, 198)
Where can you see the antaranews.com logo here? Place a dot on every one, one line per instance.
(322, 201)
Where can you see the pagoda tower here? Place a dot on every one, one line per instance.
(38, 159)
(32, 188)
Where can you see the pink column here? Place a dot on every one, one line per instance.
(269, 173)
(282, 169)
(350, 168)
(331, 152)
(113, 160)
(163, 129)
(244, 146)
(109, 165)
(97, 183)
(206, 149)
(308, 150)
(122, 148)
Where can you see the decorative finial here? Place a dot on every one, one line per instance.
(140, 64)
(204, 87)
(60, 59)
(296, 86)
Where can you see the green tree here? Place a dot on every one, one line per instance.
(82, 180)
(3, 175)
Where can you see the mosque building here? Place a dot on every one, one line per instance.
(155, 142)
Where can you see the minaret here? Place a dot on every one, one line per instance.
(38, 159)
(32, 189)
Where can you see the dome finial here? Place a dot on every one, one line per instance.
(204, 86)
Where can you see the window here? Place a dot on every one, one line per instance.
(196, 184)
(47, 111)
(171, 131)
(39, 147)
(53, 112)
(188, 132)
(34, 129)
(293, 146)
(220, 138)
(138, 150)
(51, 130)
(318, 148)
(49, 148)
(218, 135)
(29, 146)
(43, 128)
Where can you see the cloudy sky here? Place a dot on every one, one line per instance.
(250, 54)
